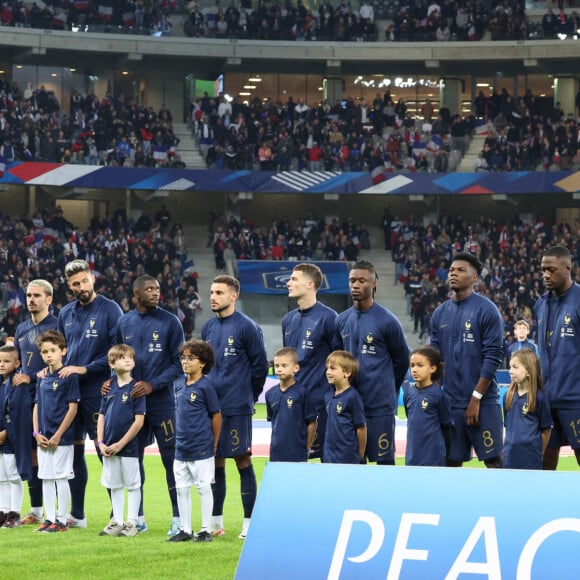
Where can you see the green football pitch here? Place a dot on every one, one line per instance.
(85, 555)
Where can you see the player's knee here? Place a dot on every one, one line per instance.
(494, 463)
(243, 461)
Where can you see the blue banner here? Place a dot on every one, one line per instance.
(352, 522)
(271, 277)
(307, 182)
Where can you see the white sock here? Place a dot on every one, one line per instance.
(63, 493)
(133, 501)
(49, 496)
(140, 520)
(4, 497)
(206, 497)
(16, 495)
(245, 526)
(118, 503)
(184, 505)
(37, 511)
(217, 522)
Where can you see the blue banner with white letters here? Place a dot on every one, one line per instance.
(271, 277)
(317, 521)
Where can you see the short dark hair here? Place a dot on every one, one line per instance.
(202, 350)
(312, 271)
(53, 336)
(140, 281)
(288, 351)
(434, 357)
(365, 265)
(229, 281)
(75, 267)
(560, 252)
(470, 259)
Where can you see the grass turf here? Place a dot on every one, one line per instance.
(84, 554)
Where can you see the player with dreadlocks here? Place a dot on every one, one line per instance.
(375, 337)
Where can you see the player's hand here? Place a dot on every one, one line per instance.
(141, 389)
(42, 441)
(71, 370)
(472, 413)
(20, 379)
(53, 442)
(106, 387)
(114, 449)
(42, 373)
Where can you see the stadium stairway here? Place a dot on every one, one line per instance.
(389, 295)
(467, 164)
(187, 148)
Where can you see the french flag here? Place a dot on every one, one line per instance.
(59, 20)
(481, 127)
(105, 12)
(419, 146)
(160, 152)
(128, 19)
(378, 175)
(434, 143)
(81, 5)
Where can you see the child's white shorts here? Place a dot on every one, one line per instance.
(56, 463)
(8, 469)
(198, 473)
(119, 471)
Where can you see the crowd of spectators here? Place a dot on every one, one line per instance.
(407, 20)
(352, 135)
(524, 136)
(118, 250)
(96, 131)
(510, 252)
(310, 239)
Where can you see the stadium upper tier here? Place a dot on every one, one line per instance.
(70, 49)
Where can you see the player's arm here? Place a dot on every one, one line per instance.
(40, 438)
(398, 350)
(101, 435)
(216, 428)
(131, 433)
(310, 434)
(361, 435)
(545, 434)
(3, 436)
(258, 360)
(71, 413)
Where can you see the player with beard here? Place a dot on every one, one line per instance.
(89, 326)
(239, 374)
(374, 336)
(468, 331)
(38, 300)
(156, 335)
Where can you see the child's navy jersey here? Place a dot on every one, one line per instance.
(16, 418)
(196, 404)
(469, 335)
(523, 441)
(25, 341)
(427, 410)
(53, 394)
(376, 339)
(90, 331)
(290, 412)
(345, 415)
(241, 365)
(119, 410)
(312, 333)
(156, 337)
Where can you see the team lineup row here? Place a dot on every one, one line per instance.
(466, 333)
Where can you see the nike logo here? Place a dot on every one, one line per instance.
(381, 454)
(488, 451)
(128, 337)
(344, 335)
(443, 325)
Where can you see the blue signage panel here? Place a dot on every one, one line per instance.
(271, 277)
(317, 521)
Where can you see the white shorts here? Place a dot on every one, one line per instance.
(57, 463)
(8, 469)
(121, 472)
(198, 473)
